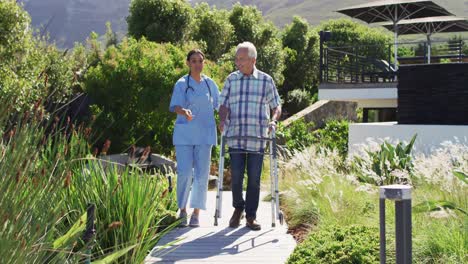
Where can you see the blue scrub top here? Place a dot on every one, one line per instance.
(196, 97)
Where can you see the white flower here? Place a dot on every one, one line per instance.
(442, 214)
(369, 188)
(437, 169)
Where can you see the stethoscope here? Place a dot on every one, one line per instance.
(193, 90)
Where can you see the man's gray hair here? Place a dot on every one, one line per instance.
(252, 51)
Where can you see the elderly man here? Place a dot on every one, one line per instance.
(246, 100)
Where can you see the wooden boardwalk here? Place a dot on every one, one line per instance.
(221, 244)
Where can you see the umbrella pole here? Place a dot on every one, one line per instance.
(429, 48)
(395, 30)
(396, 44)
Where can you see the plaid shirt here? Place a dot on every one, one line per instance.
(249, 99)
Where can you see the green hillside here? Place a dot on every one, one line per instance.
(315, 11)
(281, 11)
(69, 21)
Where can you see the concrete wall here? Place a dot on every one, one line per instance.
(324, 110)
(429, 137)
(378, 95)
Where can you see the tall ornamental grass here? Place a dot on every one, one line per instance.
(319, 194)
(47, 179)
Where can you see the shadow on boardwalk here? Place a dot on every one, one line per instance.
(221, 244)
(227, 241)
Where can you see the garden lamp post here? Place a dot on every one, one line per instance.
(401, 194)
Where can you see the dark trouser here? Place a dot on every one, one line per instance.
(254, 162)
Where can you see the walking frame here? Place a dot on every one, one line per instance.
(276, 213)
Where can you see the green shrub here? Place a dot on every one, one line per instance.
(336, 244)
(405, 52)
(297, 135)
(30, 69)
(334, 136)
(298, 100)
(131, 89)
(445, 61)
(160, 21)
(211, 27)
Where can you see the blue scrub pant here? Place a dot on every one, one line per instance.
(193, 163)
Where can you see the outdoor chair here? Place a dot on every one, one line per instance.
(381, 70)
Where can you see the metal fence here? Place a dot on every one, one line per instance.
(373, 64)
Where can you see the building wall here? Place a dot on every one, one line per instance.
(366, 95)
(429, 137)
(433, 94)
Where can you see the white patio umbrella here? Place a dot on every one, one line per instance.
(394, 11)
(429, 26)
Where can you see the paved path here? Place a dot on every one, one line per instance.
(221, 244)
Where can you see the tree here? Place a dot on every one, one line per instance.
(16, 49)
(301, 47)
(372, 42)
(295, 35)
(30, 69)
(131, 88)
(211, 27)
(249, 25)
(159, 20)
(246, 21)
(111, 37)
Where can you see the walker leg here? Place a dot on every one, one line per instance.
(274, 156)
(272, 190)
(219, 192)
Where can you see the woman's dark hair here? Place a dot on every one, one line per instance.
(195, 51)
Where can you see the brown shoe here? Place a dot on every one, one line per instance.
(253, 224)
(236, 217)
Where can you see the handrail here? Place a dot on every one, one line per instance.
(363, 63)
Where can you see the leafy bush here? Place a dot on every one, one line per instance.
(30, 69)
(372, 42)
(297, 135)
(212, 28)
(388, 165)
(337, 244)
(249, 25)
(131, 88)
(405, 52)
(159, 20)
(301, 44)
(334, 136)
(298, 100)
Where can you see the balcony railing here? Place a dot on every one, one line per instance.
(374, 64)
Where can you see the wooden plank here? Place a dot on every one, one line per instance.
(221, 244)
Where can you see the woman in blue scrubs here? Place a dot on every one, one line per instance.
(194, 99)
